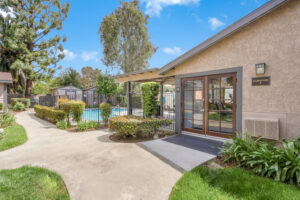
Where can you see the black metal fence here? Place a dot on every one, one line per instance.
(119, 105)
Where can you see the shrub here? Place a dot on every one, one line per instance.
(77, 108)
(105, 109)
(72, 108)
(85, 126)
(1, 106)
(2, 133)
(279, 163)
(19, 106)
(131, 125)
(7, 120)
(25, 101)
(150, 93)
(64, 104)
(49, 114)
(62, 125)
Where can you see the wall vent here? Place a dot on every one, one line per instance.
(263, 127)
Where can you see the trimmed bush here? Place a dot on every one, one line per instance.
(72, 108)
(77, 108)
(150, 93)
(105, 109)
(278, 163)
(25, 101)
(130, 126)
(62, 125)
(49, 113)
(1, 106)
(19, 106)
(7, 120)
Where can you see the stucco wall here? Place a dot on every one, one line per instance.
(274, 40)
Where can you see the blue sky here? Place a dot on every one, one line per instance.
(175, 26)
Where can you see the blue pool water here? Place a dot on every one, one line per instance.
(95, 114)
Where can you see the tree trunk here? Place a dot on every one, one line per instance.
(29, 85)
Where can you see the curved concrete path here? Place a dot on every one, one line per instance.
(91, 165)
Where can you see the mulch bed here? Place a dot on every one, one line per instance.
(161, 134)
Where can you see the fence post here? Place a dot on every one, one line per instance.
(129, 106)
(161, 100)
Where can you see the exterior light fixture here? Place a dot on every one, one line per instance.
(260, 68)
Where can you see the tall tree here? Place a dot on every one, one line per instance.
(89, 77)
(106, 86)
(37, 51)
(69, 77)
(125, 39)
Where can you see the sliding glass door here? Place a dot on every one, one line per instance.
(208, 104)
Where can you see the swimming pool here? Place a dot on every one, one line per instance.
(95, 114)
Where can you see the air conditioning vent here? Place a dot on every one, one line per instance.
(262, 127)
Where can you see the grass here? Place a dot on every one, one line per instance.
(15, 136)
(230, 184)
(31, 183)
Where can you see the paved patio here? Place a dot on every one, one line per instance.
(91, 165)
(185, 151)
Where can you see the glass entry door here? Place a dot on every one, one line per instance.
(209, 105)
(193, 107)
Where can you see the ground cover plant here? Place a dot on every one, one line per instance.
(131, 126)
(6, 120)
(62, 125)
(31, 183)
(279, 163)
(13, 136)
(230, 184)
(87, 125)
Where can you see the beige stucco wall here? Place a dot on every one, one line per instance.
(2, 92)
(274, 40)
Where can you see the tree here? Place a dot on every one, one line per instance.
(33, 49)
(89, 77)
(106, 86)
(125, 39)
(69, 77)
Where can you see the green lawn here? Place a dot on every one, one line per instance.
(15, 136)
(230, 184)
(31, 183)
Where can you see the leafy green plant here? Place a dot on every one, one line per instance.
(1, 106)
(77, 108)
(62, 125)
(87, 125)
(278, 163)
(19, 106)
(150, 93)
(130, 126)
(2, 133)
(64, 104)
(106, 110)
(25, 101)
(49, 114)
(106, 86)
(7, 120)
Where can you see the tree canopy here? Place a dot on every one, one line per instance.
(106, 86)
(28, 50)
(89, 77)
(125, 39)
(69, 76)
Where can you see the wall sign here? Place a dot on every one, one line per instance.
(261, 81)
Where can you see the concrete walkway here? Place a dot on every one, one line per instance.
(185, 151)
(91, 165)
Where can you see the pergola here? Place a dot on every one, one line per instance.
(149, 75)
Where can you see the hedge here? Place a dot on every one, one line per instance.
(25, 101)
(105, 109)
(1, 106)
(72, 108)
(150, 93)
(49, 114)
(132, 125)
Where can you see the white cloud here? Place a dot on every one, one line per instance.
(215, 23)
(174, 51)
(154, 7)
(69, 55)
(92, 55)
(5, 14)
